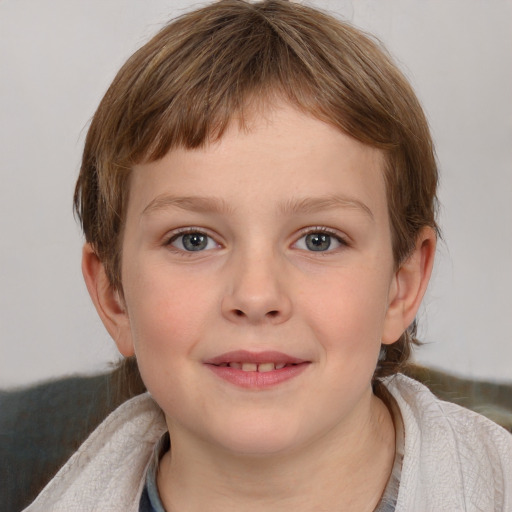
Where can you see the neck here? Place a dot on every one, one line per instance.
(345, 469)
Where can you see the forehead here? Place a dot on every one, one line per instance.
(279, 155)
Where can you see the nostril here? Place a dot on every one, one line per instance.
(271, 314)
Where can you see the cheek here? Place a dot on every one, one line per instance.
(347, 321)
(166, 328)
(168, 315)
(349, 314)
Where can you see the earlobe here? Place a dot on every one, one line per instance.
(107, 301)
(408, 287)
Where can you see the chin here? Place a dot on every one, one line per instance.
(258, 439)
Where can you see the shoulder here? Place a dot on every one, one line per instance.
(455, 458)
(421, 408)
(107, 472)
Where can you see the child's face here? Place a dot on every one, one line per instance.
(274, 240)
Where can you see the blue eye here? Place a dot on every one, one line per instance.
(319, 241)
(193, 241)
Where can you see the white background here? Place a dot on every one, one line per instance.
(58, 57)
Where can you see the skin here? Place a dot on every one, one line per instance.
(321, 439)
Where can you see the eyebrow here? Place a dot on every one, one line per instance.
(204, 204)
(330, 202)
(193, 203)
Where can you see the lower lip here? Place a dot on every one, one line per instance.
(257, 380)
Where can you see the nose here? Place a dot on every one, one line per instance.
(256, 292)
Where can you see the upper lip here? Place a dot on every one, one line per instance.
(245, 356)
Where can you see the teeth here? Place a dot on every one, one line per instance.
(255, 367)
(266, 367)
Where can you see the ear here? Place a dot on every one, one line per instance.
(108, 302)
(408, 286)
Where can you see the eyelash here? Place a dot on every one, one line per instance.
(327, 231)
(185, 231)
(303, 233)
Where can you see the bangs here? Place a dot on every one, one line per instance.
(206, 70)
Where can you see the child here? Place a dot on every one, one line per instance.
(258, 193)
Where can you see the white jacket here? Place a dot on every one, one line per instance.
(454, 460)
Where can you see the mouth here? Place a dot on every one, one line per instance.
(256, 369)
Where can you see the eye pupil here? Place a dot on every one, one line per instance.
(195, 241)
(318, 241)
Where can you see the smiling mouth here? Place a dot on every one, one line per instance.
(248, 361)
(256, 370)
(256, 367)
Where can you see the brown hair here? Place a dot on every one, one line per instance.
(187, 83)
